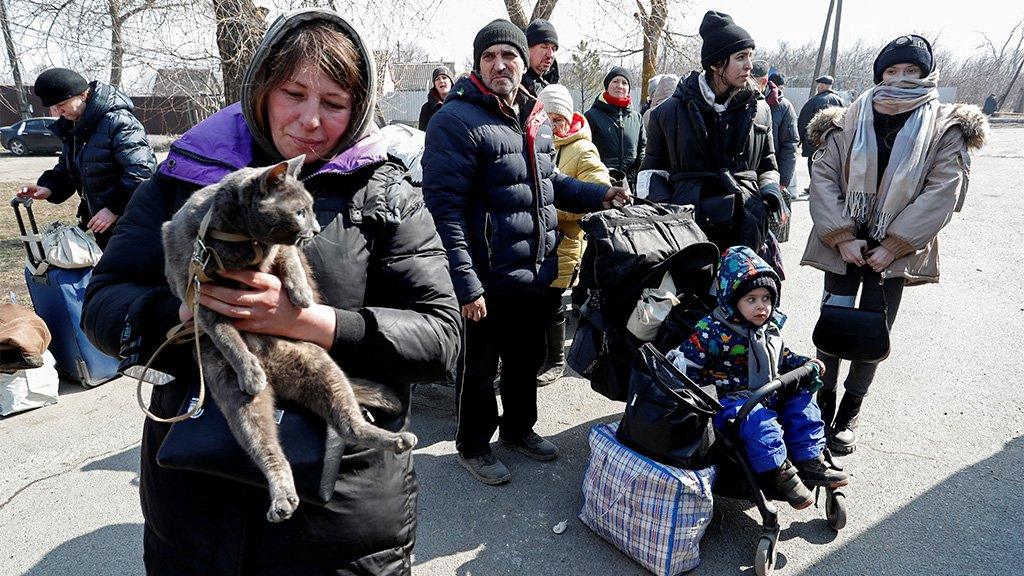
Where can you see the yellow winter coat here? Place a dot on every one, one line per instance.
(576, 156)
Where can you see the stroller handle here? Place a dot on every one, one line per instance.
(779, 383)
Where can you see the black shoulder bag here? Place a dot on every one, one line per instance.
(667, 417)
(855, 334)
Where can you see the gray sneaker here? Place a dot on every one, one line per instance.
(532, 445)
(486, 468)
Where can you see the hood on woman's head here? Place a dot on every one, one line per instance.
(278, 56)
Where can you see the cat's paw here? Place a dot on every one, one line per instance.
(300, 295)
(252, 379)
(282, 508)
(405, 441)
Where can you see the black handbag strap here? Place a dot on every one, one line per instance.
(881, 284)
(657, 363)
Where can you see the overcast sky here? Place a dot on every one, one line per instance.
(956, 23)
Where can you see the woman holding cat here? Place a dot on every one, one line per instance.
(388, 312)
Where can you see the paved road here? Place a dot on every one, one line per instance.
(936, 486)
(28, 168)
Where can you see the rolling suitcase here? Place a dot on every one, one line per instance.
(57, 295)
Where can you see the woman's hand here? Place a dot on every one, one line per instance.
(852, 251)
(264, 308)
(879, 258)
(102, 221)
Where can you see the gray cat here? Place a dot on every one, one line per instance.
(272, 208)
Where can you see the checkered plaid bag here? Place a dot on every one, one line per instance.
(654, 513)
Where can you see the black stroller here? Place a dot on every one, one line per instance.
(735, 477)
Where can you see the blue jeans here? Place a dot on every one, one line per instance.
(788, 427)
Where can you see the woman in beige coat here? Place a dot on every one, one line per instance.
(576, 156)
(890, 171)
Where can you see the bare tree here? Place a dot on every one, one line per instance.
(240, 27)
(652, 21)
(19, 86)
(586, 72)
(516, 13)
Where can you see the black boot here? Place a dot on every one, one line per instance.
(786, 481)
(827, 405)
(554, 366)
(816, 472)
(843, 439)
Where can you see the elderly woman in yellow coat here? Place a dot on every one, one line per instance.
(576, 156)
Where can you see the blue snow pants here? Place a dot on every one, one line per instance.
(779, 428)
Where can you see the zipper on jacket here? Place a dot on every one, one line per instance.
(203, 159)
(487, 237)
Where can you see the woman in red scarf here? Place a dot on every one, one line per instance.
(618, 129)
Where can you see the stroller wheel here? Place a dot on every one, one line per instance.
(835, 510)
(764, 556)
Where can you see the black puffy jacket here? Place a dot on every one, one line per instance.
(817, 103)
(490, 181)
(105, 157)
(378, 262)
(693, 142)
(429, 108)
(619, 136)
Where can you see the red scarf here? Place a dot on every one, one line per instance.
(620, 102)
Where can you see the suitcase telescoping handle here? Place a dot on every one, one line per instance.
(29, 237)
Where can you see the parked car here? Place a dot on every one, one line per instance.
(28, 136)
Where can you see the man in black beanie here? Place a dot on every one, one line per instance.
(909, 49)
(721, 38)
(106, 154)
(543, 43)
(490, 182)
(825, 98)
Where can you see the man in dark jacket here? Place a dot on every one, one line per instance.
(440, 84)
(106, 154)
(991, 105)
(543, 43)
(489, 179)
(825, 98)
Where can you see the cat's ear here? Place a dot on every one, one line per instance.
(295, 165)
(276, 174)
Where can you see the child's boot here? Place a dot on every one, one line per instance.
(786, 480)
(815, 472)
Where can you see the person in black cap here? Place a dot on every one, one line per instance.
(618, 129)
(543, 43)
(490, 182)
(441, 83)
(106, 154)
(825, 98)
(706, 138)
(890, 172)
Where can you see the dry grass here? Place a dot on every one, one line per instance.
(12, 250)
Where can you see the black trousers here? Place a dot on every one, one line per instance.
(842, 290)
(514, 331)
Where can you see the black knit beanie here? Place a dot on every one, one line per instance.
(540, 31)
(442, 71)
(499, 32)
(617, 71)
(779, 79)
(910, 49)
(721, 37)
(58, 84)
(762, 280)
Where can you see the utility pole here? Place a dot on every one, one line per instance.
(19, 86)
(835, 39)
(821, 47)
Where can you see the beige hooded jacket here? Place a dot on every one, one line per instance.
(913, 235)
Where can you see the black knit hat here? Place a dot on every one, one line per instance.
(442, 71)
(721, 37)
(909, 49)
(617, 71)
(762, 280)
(499, 32)
(58, 84)
(540, 31)
(779, 79)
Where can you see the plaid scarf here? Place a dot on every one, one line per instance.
(878, 203)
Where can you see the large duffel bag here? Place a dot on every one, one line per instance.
(655, 514)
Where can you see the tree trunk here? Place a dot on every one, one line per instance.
(653, 24)
(1013, 81)
(19, 86)
(821, 48)
(835, 40)
(116, 42)
(240, 27)
(543, 9)
(516, 13)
